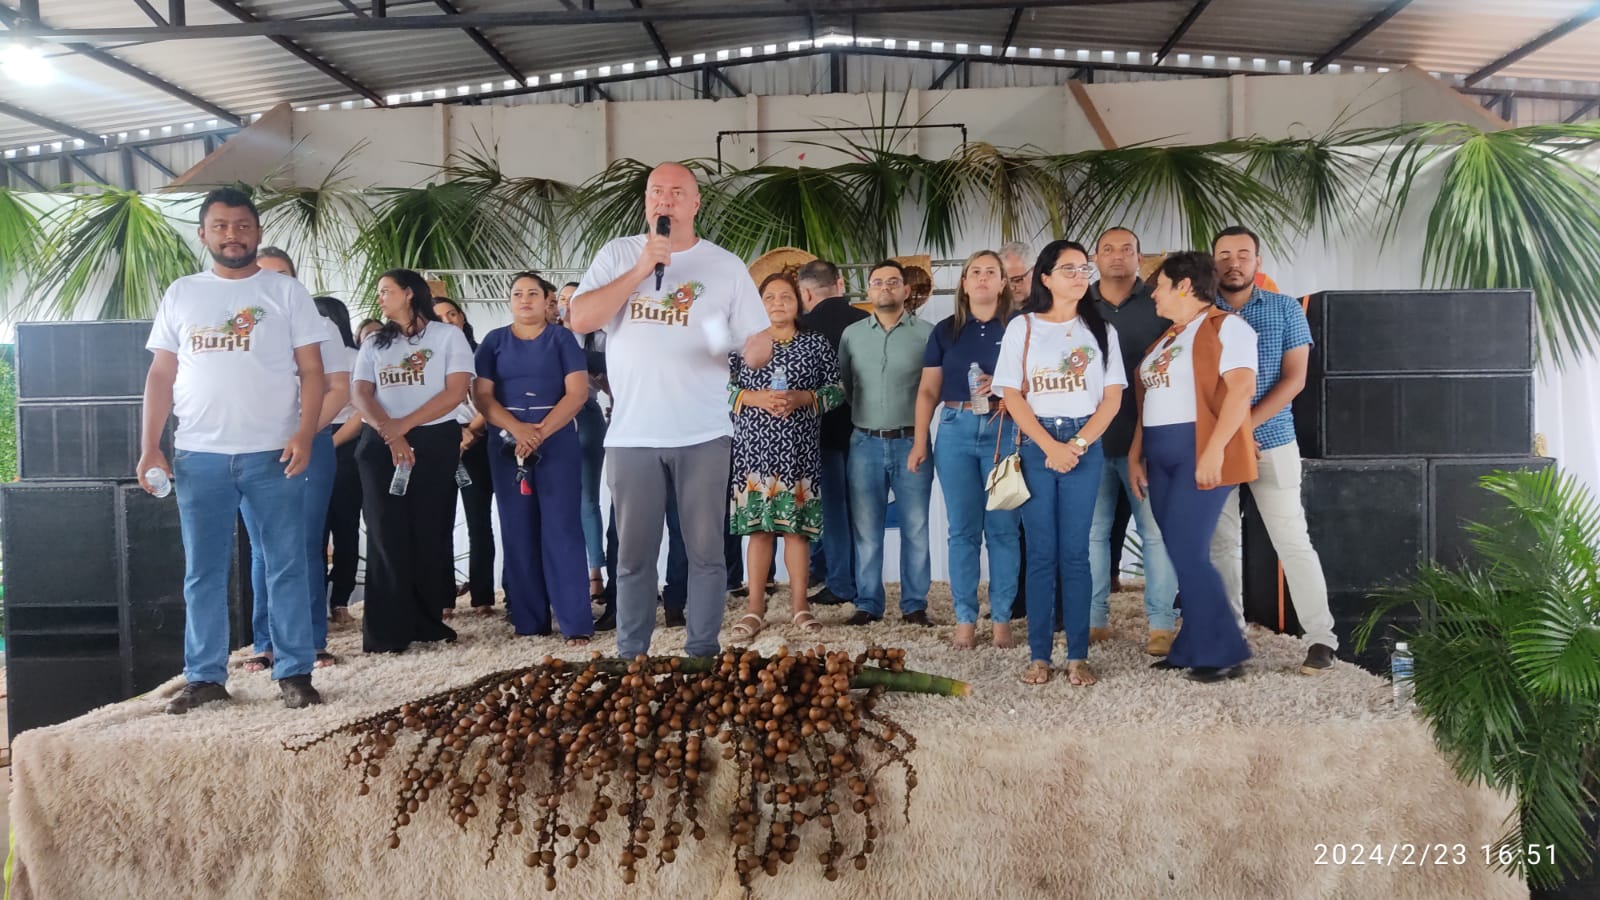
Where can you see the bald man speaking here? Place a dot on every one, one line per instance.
(667, 345)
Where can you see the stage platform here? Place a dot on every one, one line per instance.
(1143, 786)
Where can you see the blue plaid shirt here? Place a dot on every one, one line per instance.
(1280, 326)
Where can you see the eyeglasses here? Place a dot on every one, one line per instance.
(1084, 271)
(885, 283)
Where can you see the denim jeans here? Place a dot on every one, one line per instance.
(1057, 515)
(837, 545)
(963, 455)
(324, 466)
(210, 489)
(878, 465)
(592, 439)
(1160, 583)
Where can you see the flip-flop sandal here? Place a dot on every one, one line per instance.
(1036, 673)
(744, 631)
(581, 640)
(1079, 673)
(325, 659)
(258, 664)
(806, 622)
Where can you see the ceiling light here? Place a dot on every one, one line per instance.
(25, 63)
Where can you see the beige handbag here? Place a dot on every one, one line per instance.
(1007, 488)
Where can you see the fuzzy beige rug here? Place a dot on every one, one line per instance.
(1143, 786)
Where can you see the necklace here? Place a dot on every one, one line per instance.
(1176, 330)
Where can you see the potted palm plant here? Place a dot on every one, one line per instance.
(1507, 672)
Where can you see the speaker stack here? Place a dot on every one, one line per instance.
(1410, 397)
(94, 609)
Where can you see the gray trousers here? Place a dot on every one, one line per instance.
(639, 478)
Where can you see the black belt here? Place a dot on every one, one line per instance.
(891, 433)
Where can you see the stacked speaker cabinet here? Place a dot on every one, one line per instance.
(94, 609)
(1410, 397)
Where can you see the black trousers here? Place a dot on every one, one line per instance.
(410, 570)
(344, 525)
(475, 501)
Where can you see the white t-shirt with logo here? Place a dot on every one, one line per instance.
(238, 385)
(336, 357)
(412, 370)
(667, 350)
(1167, 371)
(1067, 374)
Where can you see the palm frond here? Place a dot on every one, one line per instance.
(318, 224)
(814, 209)
(1019, 191)
(115, 250)
(1322, 181)
(534, 207)
(21, 240)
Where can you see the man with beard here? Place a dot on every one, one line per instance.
(235, 350)
(1284, 344)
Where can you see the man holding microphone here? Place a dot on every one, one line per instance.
(672, 306)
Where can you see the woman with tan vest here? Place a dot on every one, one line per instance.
(1191, 448)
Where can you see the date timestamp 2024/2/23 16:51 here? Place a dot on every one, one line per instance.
(1382, 853)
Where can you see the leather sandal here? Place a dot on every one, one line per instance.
(1079, 673)
(1037, 673)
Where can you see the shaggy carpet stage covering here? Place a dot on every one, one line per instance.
(1145, 785)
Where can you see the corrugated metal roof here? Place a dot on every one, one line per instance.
(248, 75)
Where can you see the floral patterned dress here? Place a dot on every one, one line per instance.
(777, 462)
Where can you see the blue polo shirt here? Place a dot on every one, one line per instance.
(1281, 326)
(979, 342)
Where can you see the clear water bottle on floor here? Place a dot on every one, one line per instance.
(401, 480)
(980, 397)
(1402, 669)
(160, 484)
(779, 380)
(463, 477)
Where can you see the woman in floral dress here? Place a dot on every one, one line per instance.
(777, 458)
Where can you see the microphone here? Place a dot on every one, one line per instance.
(663, 228)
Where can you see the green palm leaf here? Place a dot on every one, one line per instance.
(814, 209)
(114, 250)
(21, 239)
(317, 225)
(1022, 193)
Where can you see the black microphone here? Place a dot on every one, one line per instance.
(663, 228)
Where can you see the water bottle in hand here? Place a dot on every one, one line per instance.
(160, 484)
(779, 380)
(401, 480)
(1402, 669)
(463, 477)
(980, 397)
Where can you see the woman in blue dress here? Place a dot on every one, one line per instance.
(532, 382)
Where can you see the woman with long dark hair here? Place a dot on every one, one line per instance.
(531, 383)
(1193, 444)
(777, 453)
(410, 377)
(973, 431)
(344, 506)
(477, 494)
(1061, 370)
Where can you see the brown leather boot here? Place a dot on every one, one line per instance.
(1096, 635)
(1160, 642)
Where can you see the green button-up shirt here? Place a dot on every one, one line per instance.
(882, 370)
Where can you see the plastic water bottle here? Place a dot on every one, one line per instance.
(463, 477)
(1402, 669)
(401, 480)
(980, 397)
(160, 484)
(779, 380)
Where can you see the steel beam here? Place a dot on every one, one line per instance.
(150, 12)
(59, 127)
(1172, 40)
(88, 169)
(301, 53)
(1359, 35)
(1011, 30)
(24, 177)
(942, 77)
(1582, 111)
(161, 167)
(176, 14)
(484, 44)
(1560, 31)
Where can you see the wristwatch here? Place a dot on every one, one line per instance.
(1078, 441)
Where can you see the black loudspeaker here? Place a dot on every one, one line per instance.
(1458, 499)
(1350, 610)
(96, 440)
(1355, 416)
(1392, 332)
(81, 360)
(93, 596)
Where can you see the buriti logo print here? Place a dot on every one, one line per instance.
(233, 335)
(1068, 376)
(673, 309)
(409, 371)
(1155, 375)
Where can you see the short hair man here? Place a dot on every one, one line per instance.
(1017, 259)
(1284, 344)
(667, 357)
(880, 362)
(235, 349)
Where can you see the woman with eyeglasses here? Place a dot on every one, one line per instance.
(1192, 445)
(532, 381)
(1061, 370)
(973, 429)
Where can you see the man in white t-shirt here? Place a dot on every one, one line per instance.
(235, 349)
(667, 345)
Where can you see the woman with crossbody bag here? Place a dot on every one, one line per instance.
(1061, 370)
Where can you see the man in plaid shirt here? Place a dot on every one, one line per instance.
(1283, 340)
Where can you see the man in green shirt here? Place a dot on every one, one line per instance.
(880, 360)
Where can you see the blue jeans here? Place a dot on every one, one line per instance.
(1057, 515)
(837, 546)
(592, 439)
(963, 455)
(878, 465)
(324, 466)
(1160, 582)
(210, 488)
